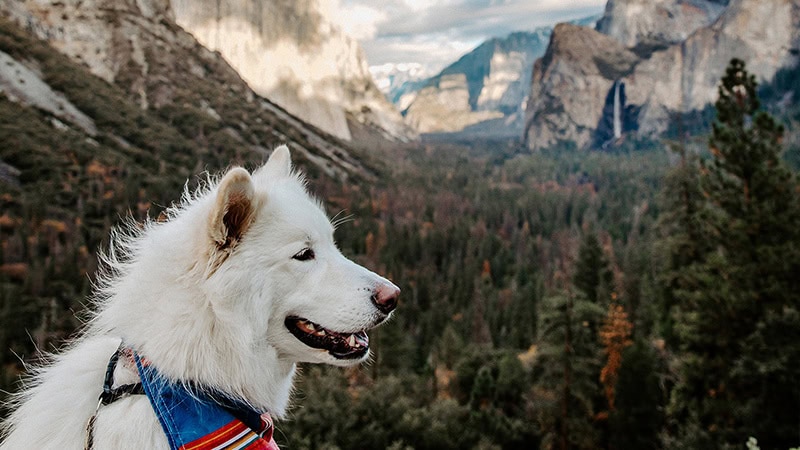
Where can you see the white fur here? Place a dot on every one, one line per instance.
(201, 312)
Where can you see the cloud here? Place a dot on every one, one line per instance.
(433, 51)
(473, 16)
(435, 33)
(359, 21)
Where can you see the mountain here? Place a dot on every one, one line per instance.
(571, 83)
(400, 82)
(488, 83)
(592, 88)
(484, 92)
(293, 54)
(643, 23)
(137, 48)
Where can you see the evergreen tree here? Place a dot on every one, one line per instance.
(638, 416)
(739, 311)
(593, 277)
(685, 240)
(567, 372)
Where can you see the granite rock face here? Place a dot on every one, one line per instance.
(490, 83)
(291, 53)
(647, 23)
(571, 83)
(684, 77)
(571, 91)
(112, 38)
(137, 46)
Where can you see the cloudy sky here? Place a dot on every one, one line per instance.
(435, 33)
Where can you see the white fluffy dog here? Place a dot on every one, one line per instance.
(238, 285)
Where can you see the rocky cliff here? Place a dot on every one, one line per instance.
(575, 97)
(653, 23)
(137, 47)
(291, 53)
(684, 77)
(489, 83)
(571, 84)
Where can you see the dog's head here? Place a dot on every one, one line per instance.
(271, 242)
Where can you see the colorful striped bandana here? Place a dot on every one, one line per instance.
(196, 419)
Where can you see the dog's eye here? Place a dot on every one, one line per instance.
(306, 254)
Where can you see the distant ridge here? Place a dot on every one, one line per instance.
(484, 92)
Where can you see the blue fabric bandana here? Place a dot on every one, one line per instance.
(196, 419)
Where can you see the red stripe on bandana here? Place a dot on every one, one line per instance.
(235, 435)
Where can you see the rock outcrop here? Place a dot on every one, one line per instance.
(571, 83)
(23, 85)
(489, 83)
(136, 46)
(684, 77)
(572, 94)
(653, 23)
(291, 53)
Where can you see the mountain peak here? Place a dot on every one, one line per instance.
(657, 22)
(487, 85)
(655, 60)
(291, 53)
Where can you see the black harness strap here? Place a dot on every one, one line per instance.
(109, 395)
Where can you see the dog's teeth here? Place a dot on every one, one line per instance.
(352, 341)
(310, 326)
(321, 332)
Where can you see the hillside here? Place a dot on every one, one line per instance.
(293, 54)
(78, 153)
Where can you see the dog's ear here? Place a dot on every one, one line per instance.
(234, 208)
(279, 165)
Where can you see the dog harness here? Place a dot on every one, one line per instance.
(192, 417)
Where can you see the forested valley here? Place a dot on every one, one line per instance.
(645, 297)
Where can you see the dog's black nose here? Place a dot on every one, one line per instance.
(385, 297)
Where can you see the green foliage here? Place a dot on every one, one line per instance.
(400, 410)
(638, 419)
(567, 373)
(593, 277)
(737, 305)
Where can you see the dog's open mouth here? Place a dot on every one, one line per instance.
(339, 345)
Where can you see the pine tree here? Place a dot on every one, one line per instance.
(638, 416)
(739, 310)
(592, 275)
(568, 367)
(685, 240)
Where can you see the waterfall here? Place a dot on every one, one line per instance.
(617, 111)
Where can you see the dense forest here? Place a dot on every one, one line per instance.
(647, 296)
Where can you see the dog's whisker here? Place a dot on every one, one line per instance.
(343, 220)
(333, 219)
